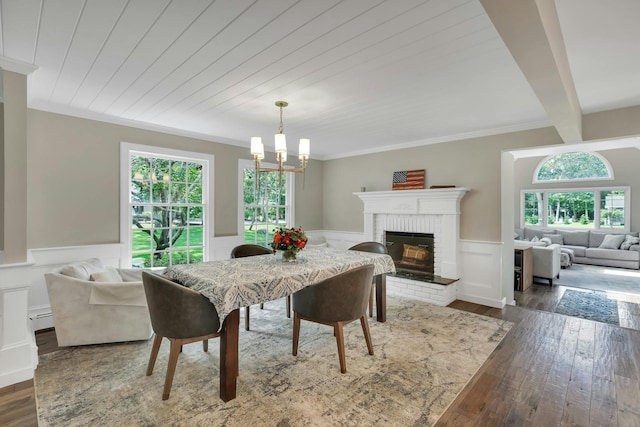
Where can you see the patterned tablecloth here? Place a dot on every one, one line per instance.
(240, 282)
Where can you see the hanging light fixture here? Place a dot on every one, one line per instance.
(257, 150)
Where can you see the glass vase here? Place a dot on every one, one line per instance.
(289, 256)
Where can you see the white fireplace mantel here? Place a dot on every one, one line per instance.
(434, 211)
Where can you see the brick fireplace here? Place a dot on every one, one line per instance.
(435, 212)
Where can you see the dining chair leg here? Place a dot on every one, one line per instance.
(247, 314)
(367, 334)
(371, 302)
(157, 340)
(296, 333)
(171, 368)
(339, 333)
(205, 345)
(288, 306)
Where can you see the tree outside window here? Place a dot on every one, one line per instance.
(265, 208)
(573, 166)
(167, 211)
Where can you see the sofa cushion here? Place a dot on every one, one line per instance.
(612, 241)
(577, 250)
(555, 238)
(575, 238)
(518, 234)
(530, 233)
(82, 270)
(109, 275)
(613, 254)
(629, 241)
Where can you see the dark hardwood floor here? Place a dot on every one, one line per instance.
(550, 370)
(553, 370)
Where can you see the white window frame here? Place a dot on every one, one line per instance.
(596, 216)
(207, 161)
(289, 188)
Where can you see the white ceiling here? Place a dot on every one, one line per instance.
(359, 75)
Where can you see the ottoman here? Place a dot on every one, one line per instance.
(566, 257)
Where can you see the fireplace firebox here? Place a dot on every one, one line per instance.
(412, 254)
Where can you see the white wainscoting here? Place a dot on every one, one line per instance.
(342, 239)
(481, 279)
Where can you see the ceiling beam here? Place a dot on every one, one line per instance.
(531, 31)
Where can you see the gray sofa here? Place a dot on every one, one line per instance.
(621, 249)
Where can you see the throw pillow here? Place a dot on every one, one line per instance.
(612, 241)
(546, 241)
(82, 270)
(629, 241)
(555, 238)
(110, 275)
(534, 239)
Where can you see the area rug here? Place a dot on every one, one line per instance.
(589, 305)
(424, 356)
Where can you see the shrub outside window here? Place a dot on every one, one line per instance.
(594, 208)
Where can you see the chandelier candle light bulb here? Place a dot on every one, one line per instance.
(280, 145)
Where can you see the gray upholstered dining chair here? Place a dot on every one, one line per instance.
(335, 301)
(373, 247)
(179, 314)
(246, 250)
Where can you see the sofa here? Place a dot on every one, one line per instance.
(94, 304)
(596, 247)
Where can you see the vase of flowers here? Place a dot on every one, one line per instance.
(290, 241)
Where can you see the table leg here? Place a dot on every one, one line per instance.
(229, 356)
(381, 297)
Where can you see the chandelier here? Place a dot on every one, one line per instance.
(257, 150)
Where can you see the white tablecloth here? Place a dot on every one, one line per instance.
(240, 282)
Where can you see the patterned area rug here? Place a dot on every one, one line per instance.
(589, 305)
(424, 356)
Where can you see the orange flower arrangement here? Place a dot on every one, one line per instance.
(288, 239)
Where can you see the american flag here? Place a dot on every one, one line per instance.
(408, 180)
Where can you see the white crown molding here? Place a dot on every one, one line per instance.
(17, 66)
(447, 138)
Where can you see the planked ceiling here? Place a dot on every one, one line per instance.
(359, 75)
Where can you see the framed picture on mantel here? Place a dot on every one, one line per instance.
(409, 180)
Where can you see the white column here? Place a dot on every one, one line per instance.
(450, 235)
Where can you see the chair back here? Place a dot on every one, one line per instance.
(177, 311)
(339, 298)
(373, 247)
(246, 250)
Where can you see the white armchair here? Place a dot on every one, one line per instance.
(546, 262)
(93, 304)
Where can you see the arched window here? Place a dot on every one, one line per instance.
(573, 166)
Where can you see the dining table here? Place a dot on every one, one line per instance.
(231, 284)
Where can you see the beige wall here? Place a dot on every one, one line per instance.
(623, 161)
(73, 180)
(472, 163)
(1, 176)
